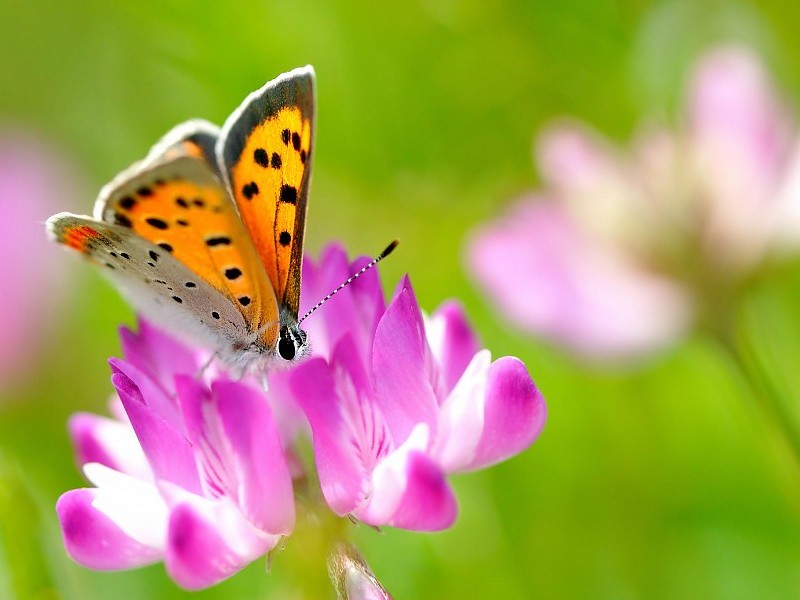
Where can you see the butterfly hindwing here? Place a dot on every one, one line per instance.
(155, 283)
(175, 201)
(265, 153)
(196, 138)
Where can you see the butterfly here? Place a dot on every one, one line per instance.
(205, 235)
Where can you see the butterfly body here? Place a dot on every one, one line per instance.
(205, 235)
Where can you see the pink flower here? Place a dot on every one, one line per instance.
(401, 402)
(625, 252)
(196, 470)
(191, 474)
(34, 182)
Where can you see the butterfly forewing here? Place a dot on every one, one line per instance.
(265, 152)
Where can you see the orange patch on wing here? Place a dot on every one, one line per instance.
(198, 225)
(77, 237)
(192, 149)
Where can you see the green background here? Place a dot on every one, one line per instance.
(661, 481)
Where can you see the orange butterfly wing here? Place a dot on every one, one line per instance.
(175, 200)
(265, 153)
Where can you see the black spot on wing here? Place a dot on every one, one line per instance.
(122, 220)
(261, 157)
(288, 194)
(250, 189)
(233, 273)
(156, 222)
(218, 240)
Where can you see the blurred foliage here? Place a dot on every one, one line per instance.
(659, 482)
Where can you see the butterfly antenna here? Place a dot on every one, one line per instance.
(352, 278)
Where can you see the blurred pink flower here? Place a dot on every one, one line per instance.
(34, 182)
(187, 473)
(624, 253)
(402, 401)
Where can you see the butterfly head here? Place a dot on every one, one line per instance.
(292, 343)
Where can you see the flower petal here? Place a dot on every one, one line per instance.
(155, 396)
(35, 181)
(565, 285)
(213, 452)
(341, 473)
(210, 541)
(134, 505)
(108, 442)
(265, 492)
(514, 413)
(452, 341)
(409, 490)
(158, 355)
(404, 370)
(92, 539)
(461, 419)
(494, 412)
(733, 102)
(286, 412)
(118, 525)
(572, 158)
(168, 452)
(355, 309)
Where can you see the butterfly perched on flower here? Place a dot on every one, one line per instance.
(205, 235)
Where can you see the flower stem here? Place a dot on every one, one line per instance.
(763, 389)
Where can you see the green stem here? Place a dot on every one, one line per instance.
(763, 389)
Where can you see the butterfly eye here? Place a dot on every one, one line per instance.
(286, 348)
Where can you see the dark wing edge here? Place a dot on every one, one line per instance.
(294, 88)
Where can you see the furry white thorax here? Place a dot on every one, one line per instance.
(252, 355)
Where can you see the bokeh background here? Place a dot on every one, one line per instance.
(659, 481)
